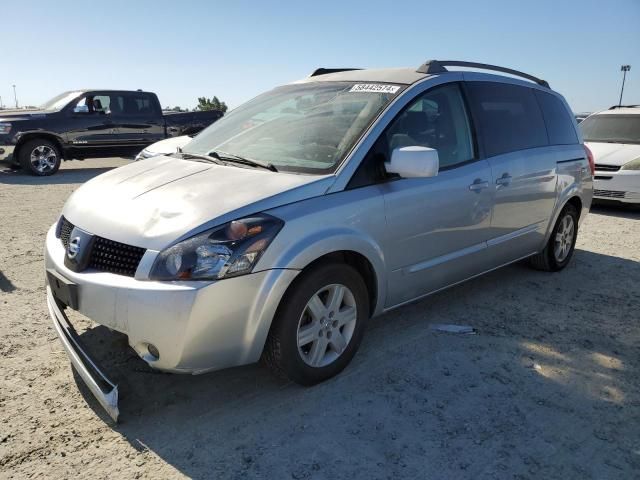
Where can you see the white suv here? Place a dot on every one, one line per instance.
(613, 136)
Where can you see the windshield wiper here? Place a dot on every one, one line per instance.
(208, 158)
(229, 157)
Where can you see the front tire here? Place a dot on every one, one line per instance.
(559, 249)
(319, 324)
(40, 157)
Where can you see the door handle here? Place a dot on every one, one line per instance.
(478, 185)
(504, 180)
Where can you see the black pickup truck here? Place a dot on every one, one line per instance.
(89, 124)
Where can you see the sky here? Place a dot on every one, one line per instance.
(237, 49)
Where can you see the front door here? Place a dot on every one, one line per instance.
(91, 132)
(437, 227)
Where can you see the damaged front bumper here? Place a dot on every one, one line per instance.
(105, 391)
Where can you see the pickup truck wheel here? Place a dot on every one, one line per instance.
(40, 157)
(319, 324)
(559, 250)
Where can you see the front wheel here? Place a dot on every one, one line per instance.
(559, 249)
(40, 157)
(319, 324)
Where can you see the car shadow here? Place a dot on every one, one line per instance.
(62, 177)
(616, 209)
(544, 371)
(5, 284)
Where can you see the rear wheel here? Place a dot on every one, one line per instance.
(559, 249)
(319, 324)
(40, 157)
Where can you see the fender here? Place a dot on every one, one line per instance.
(22, 136)
(307, 249)
(570, 187)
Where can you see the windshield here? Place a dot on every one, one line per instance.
(302, 128)
(60, 101)
(611, 128)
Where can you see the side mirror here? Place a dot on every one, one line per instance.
(81, 109)
(414, 162)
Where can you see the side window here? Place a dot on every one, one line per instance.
(135, 104)
(557, 118)
(436, 119)
(508, 117)
(93, 105)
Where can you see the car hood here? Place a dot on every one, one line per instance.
(169, 145)
(15, 115)
(152, 205)
(613, 153)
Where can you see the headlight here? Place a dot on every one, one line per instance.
(632, 165)
(226, 251)
(5, 128)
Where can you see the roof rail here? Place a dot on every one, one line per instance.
(438, 66)
(623, 106)
(324, 71)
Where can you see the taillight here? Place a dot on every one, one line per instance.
(592, 162)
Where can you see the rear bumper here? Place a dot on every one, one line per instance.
(622, 186)
(6, 152)
(105, 391)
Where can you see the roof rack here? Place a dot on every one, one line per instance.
(438, 66)
(623, 106)
(324, 71)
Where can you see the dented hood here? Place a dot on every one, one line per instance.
(153, 204)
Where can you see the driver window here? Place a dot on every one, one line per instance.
(437, 119)
(93, 104)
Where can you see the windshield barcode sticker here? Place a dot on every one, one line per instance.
(374, 88)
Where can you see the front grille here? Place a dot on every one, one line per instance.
(65, 231)
(607, 168)
(608, 193)
(115, 257)
(107, 255)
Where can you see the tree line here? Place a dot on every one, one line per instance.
(204, 104)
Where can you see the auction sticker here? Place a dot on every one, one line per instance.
(374, 88)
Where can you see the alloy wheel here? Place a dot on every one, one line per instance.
(43, 158)
(564, 238)
(326, 325)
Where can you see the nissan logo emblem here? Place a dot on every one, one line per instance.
(73, 248)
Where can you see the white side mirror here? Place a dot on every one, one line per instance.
(81, 109)
(412, 162)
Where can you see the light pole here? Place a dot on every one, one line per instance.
(15, 96)
(0, 102)
(624, 69)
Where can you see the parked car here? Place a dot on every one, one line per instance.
(163, 147)
(89, 124)
(357, 192)
(614, 138)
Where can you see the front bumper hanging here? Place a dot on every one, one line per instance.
(105, 391)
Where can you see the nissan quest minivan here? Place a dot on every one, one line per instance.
(281, 229)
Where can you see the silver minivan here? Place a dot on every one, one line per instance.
(282, 228)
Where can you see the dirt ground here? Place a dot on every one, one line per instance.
(548, 388)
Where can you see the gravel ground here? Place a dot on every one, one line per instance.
(548, 388)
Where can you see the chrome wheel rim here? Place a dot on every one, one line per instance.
(564, 238)
(326, 325)
(43, 158)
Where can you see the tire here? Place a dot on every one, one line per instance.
(307, 363)
(559, 249)
(40, 157)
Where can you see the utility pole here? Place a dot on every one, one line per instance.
(15, 96)
(0, 102)
(624, 69)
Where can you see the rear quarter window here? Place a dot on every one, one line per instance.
(507, 116)
(557, 118)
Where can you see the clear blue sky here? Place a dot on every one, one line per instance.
(237, 49)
